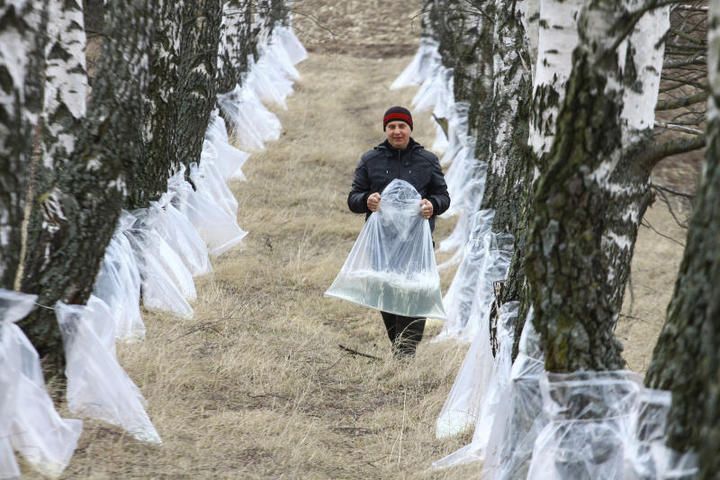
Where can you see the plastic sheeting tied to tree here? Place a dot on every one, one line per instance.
(590, 424)
(392, 266)
(28, 420)
(490, 401)
(118, 283)
(511, 441)
(97, 386)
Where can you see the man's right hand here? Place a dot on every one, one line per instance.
(373, 202)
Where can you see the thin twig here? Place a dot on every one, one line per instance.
(355, 352)
(647, 224)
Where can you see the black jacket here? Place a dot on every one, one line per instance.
(381, 165)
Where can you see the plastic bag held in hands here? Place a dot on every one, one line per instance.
(392, 265)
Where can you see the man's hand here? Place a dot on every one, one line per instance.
(373, 202)
(426, 208)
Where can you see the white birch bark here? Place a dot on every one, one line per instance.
(66, 82)
(21, 62)
(557, 38)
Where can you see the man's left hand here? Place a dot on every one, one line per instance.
(426, 208)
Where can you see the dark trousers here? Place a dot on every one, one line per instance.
(404, 332)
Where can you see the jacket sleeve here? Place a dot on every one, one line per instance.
(437, 191)
(360, 191)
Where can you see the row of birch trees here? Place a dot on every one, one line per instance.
(573, 104)
(75, 150)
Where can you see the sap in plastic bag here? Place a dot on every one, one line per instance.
(392, 265)
(97, 386)
(29, 422)
(590, 417)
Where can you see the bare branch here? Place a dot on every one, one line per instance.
(652, 155)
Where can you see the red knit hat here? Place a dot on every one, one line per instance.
(401, 114)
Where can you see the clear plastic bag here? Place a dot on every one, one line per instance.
(180, 234)
(460, 296)
(469, 206)
(118, 283)
(97, 386)
(230, 160)
(29, 422)
(649, 457)
(425, 61)
(167, 284)
(511, 442)
(278, 55)
(207, 178)
(392, 266)
(590, 417)
(215, 224)
(269, 83)
(252, 124)
(491, 406)
(434, 91)
(290, 42)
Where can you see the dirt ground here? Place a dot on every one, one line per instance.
(256, 385)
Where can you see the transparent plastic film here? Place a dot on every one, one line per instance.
(216, 225)
(392, 265)
(97, 386)
(229, 160)
(511, 441)
(251, 123)
(491, 402)
(460, 296)
(590, 421)
(295, 50)
(167, 284)
(426, 60)
(29, 423)
(118, 284)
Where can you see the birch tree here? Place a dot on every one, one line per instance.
(236, 44)
(686, 359)
(200, 37)
(22, 61)
(577, 242)
(149, 178)
(79, 214)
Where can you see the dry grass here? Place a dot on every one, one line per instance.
(255, 386)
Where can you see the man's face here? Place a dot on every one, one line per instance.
(398, 134)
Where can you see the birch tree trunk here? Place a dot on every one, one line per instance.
(464, 31)
(686, 359)
(80, 214)
(554, 36)
(22, 60)
(565, 263)
(236, 44)
(198, 87)
(149, 179)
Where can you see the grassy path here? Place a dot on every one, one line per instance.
(256, 386)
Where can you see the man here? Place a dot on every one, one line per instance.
(400, 156)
